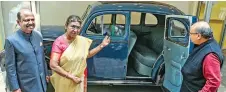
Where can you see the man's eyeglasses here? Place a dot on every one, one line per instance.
(74, 27)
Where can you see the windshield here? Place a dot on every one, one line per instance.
(88, 9)
(86, 12)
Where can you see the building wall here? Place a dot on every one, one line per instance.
(9, 19)
(218, 15)
(2, 34)
(185, 6)
(60, 10)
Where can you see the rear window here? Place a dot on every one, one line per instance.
(120, 19)
(106, 19)
(135, 18)
(150, 19)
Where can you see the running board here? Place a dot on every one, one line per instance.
(138, 78)
(121, 82)
(129, 80)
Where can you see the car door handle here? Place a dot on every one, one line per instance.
(183, 56)
(167, 48)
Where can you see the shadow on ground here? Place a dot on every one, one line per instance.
(224, 69)
(124, 89)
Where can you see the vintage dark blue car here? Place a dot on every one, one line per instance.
(149, 43)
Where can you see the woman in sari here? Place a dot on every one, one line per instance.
(68, 57)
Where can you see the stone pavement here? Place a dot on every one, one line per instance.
(222, 88)
(2, 82)
(223, 70)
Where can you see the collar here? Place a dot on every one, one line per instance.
(25, 35)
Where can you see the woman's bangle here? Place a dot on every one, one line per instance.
(67, 75)
(101, 46)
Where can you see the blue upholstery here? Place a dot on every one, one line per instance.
(147, 50)
(132, 41)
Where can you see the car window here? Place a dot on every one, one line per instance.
(178, 29)
(95, 27)
(135, 18)
(178, 33)
(150, 19)
(119, 28)
(120, 19)
(102, 25)
(106, 19)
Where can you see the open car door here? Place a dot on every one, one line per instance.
(177, 46)
(110, 62)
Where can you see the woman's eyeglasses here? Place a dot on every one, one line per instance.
(74, 27)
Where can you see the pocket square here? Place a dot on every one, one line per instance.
(40, 43)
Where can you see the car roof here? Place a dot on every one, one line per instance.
(144, 6)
